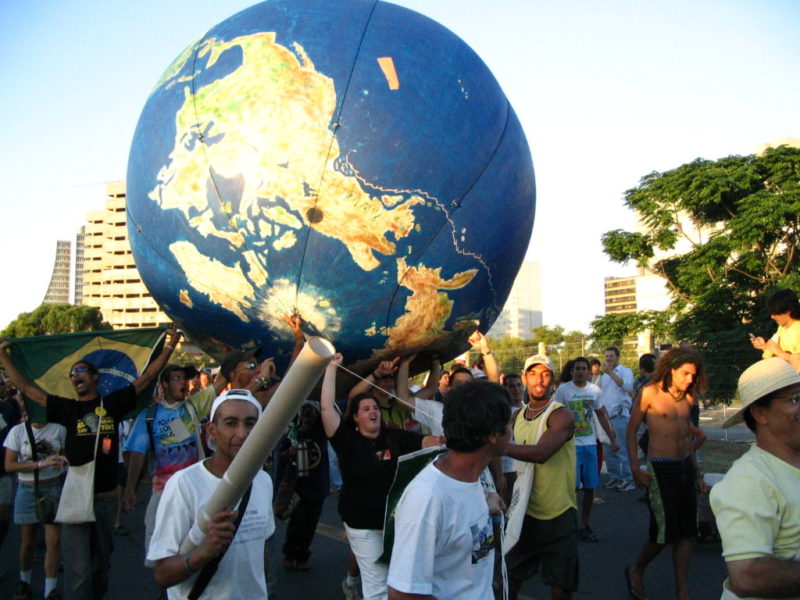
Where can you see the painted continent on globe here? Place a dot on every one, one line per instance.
(350, 161)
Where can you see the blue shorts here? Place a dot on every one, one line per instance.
(24, 509)
(587, 472)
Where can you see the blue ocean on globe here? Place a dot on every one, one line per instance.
(350, 161)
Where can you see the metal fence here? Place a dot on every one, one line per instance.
(725, 355)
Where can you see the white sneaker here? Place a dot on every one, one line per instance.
(627, 486)
(612, 484)
(352, 592)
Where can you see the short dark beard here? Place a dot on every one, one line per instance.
(86, 392)
(544, 398)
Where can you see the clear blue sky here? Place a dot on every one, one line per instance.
(607, 92)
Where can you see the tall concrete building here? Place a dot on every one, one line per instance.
(522, 311)
(78, 279)
(58, 290)
(111, 281)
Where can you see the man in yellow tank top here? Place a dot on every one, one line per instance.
(549, 536)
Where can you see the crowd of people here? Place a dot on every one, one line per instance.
(513, 448)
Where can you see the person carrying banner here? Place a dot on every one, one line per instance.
(88, 419)
(225, 563)
(368, 453)
(444, 539)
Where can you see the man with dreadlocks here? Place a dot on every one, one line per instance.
(666, 405)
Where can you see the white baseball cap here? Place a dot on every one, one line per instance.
(243, 395)
(538, 359)
(236, 394)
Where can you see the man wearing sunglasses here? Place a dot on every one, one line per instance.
(170, 430)
(244, 371)
(756, 504)
(86, 563)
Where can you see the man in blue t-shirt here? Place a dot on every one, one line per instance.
(170, 430)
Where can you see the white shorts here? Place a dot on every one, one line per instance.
(367, 545)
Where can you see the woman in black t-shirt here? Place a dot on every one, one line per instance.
(368, 454)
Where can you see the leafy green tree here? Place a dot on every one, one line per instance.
(747, 211)
(549, 335)
(199, 360)
(613, 329)
(506, 342)
(511, 352)
(50, 319)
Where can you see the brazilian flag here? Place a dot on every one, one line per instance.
(120, 356)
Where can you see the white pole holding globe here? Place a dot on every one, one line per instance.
(300, 379)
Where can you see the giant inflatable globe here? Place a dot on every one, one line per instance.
(348, 160)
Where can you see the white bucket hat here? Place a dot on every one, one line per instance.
(760, 379)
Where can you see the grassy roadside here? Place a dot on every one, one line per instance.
(717, 456)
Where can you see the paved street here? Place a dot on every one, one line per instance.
(711, 421)
(621, 524)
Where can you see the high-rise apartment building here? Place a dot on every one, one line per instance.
(522, 311)
(111, 281)
(58, 290)
(643, 291)
(620, 295)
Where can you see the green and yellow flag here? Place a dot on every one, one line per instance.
(119, 355)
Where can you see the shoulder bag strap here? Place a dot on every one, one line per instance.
(210, 567)
(149, 417)
(35, 457)
(99, 427)
(201, 454)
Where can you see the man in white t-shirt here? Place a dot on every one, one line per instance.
(444, 541)
(585, 399)
(240, 574)
(428, 413)
(519, 395)
(617, 383)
